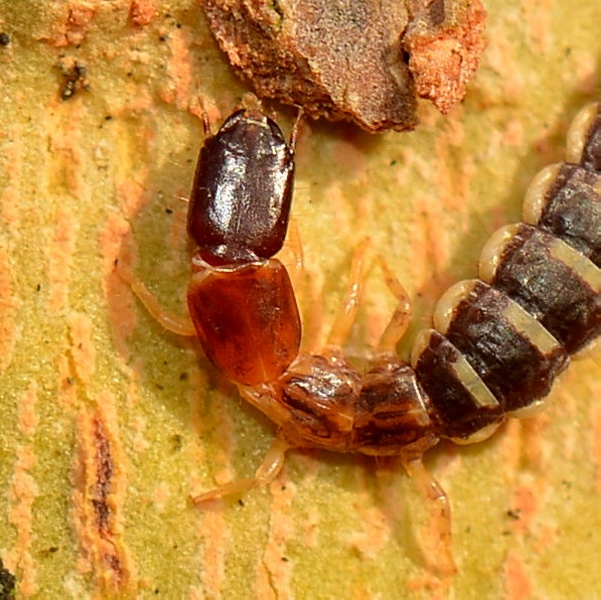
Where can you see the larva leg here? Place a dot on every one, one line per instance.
(438, 547)
(350, 305)
(181, 325)
(270, 467)
(401, 318)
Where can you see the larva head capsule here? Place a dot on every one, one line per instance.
(240, 200)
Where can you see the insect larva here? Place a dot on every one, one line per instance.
(497, 344)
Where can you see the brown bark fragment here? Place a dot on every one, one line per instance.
(347, 60)
(444, 53)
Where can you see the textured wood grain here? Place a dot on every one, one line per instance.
(92, 390)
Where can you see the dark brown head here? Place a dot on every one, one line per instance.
(240, 200)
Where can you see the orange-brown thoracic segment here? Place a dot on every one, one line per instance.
(247, 320)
